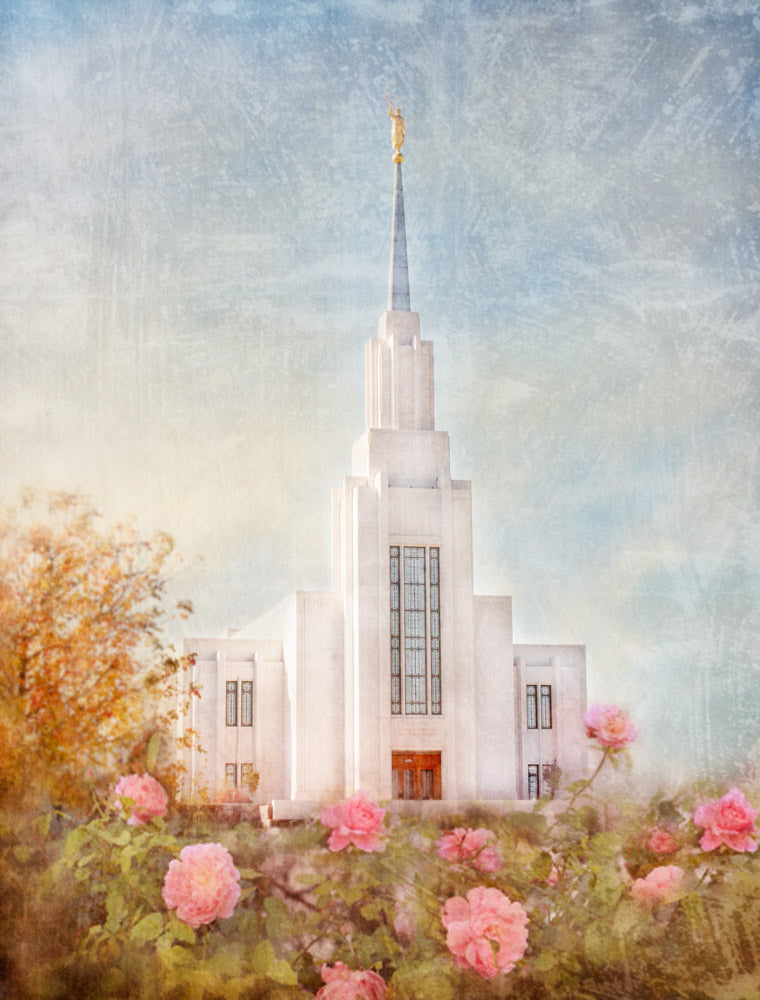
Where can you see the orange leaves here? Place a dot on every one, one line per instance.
(80, 626)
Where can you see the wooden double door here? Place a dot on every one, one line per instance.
(416, 775)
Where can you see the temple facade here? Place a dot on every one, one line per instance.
(399, 680)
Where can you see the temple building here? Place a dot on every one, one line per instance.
(399, 680)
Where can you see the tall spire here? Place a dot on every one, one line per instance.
(398, 285)
(399, 365)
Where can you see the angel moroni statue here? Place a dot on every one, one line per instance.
(398, 131)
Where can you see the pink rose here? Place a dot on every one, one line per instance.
(356, 821)
(611, 727)
(662, 885)
(729, 821)
(488, 860)
(485, 932)
(148, 796)
(469, 845)
(343, 984)
(661, 842)
(202, 885)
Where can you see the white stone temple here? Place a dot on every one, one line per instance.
(399, 680)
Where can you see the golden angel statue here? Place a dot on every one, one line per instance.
(398, 131)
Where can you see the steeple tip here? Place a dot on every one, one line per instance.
(398, 286)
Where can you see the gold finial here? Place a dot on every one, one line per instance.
(398, 131)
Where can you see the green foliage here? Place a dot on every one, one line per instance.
(87, 917)
(432, 980)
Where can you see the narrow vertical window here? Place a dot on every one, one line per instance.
(232, 698)
(426, 784)
(546, 706)
(408, 784)
(415, 630)
(396, 789)
(415, 674)
(533, 781)
(435, 633)
(395, 632)
(230, 775)
(246, 703)
(550, 778)
(246, 777)
(531, 705)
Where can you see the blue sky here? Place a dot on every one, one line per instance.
(194, 235)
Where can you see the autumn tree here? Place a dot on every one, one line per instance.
(84, 671)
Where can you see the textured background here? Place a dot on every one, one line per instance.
(194, 241)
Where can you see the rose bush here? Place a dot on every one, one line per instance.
(486, 931)
(357, 821)
(662, 885)
(609, 726)
(343, 984)
(729, 821)
(184, 905)
(202, 885)
(662, 842)
(147, 795)
(461, 845)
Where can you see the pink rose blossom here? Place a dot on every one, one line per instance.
(611, 727)
(662, 885)
(485, 932)
(488, 860)
(469, 845)
(662, 842)
(729, 821)
(148, 796)
(356, 821)
(343, 984)
(202, 885)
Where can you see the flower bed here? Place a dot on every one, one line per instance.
(646, 900)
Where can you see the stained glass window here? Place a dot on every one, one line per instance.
(415, 630)
(533, 789)
(395, 633)
(232, 697)
(546, 706)
(435, 633)
(531, 705)
(415, 673)
(246, 703)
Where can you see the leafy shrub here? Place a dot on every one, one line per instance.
(562, 899)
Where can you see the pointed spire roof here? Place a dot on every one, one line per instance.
(398, 285)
